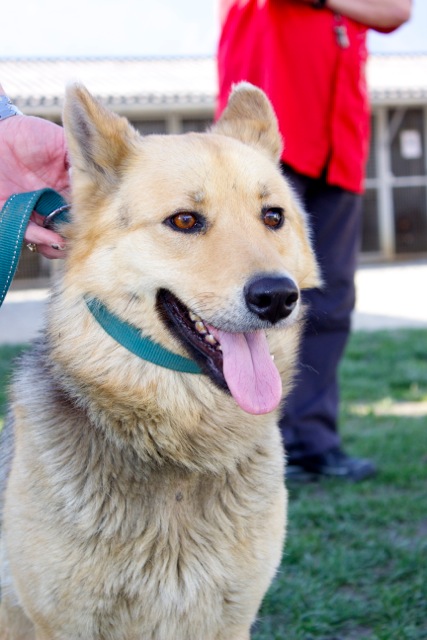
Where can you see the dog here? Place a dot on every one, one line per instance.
(141, 501)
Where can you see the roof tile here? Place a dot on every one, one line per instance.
(131, 82)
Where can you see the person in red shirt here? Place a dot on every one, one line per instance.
(309, 57)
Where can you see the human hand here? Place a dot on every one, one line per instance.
(34, 156)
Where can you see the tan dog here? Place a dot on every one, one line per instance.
(145, 503)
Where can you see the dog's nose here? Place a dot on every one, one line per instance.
(272, 298)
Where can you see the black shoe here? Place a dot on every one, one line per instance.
(331, 464)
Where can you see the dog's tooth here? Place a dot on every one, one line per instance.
(194, 317)
(272, 356)
(219, 348)
(200, 327)
(210, 339)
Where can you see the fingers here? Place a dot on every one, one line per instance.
(49, 243)
(48, 252)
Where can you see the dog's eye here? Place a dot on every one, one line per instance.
(186, 221)
(273, 217)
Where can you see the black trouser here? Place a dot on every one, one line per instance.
(309, 421)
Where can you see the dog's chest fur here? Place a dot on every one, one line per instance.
(141, 541)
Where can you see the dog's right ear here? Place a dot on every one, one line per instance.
(250, 118)
(99, 141)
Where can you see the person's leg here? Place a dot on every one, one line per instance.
(310, 420)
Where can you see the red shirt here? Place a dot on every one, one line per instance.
(317, 87)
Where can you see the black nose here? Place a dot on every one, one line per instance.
(272, 298)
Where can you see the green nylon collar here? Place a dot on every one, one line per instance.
(14, 218)
(130, 337)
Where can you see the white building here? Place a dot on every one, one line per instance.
(178, 94)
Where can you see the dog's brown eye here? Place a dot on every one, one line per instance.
(273, 217)
(186, 221)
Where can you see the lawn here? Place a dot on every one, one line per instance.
(355, 562)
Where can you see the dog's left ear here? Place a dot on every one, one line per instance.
(99, 141)
(250, 118)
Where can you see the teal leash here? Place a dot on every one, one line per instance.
(14, 218)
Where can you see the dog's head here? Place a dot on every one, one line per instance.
(195, 239)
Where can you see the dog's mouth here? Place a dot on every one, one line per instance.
(238, 363)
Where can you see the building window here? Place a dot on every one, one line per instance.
(198, 125)
(407, 153)
(33, 267)
(410, 219)
(395, 204)
(145, 127)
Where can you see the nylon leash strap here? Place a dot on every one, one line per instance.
(14, 218)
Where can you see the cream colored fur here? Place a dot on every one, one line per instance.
(142, 503)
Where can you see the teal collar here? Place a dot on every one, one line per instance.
(131, 339)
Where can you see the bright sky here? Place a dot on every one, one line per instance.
(143, 28)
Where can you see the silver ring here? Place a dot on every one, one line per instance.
(31, 246)
(48, 220)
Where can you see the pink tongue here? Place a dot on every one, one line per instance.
(251, 375)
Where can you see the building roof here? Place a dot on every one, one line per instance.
(133, 84)
(147, 84)
(397, 78)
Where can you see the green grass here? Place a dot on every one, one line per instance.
(355, 562)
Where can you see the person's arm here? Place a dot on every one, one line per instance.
(33, 156)
(382, 15)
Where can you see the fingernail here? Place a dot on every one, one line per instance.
(58, 247)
